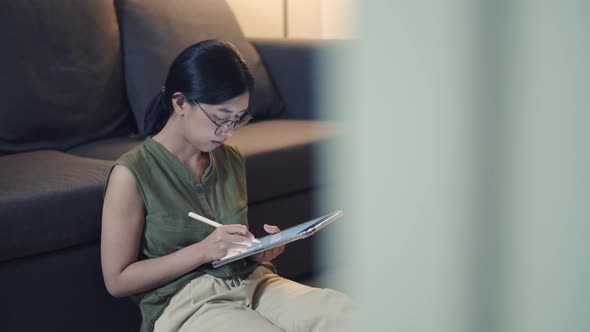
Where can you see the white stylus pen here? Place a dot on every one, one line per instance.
(210, 222)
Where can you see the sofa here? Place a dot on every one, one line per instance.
(76, 77)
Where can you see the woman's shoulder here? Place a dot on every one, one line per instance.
(125, 169)
(133, 157)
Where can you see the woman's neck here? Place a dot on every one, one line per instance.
(179, 146)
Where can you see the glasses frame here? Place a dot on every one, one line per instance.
(228, 124)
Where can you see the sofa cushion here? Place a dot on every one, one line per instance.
(281, 155)
(107, 149)
(293, 66)
(62, 76)
(155, 31)
(50, 200)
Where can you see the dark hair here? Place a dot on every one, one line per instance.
(210, 71)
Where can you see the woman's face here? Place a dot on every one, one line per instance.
(201, 121)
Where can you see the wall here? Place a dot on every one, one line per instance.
(315, 19)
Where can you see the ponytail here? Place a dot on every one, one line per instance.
(157, 114)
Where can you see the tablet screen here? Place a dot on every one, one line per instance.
(288, 235)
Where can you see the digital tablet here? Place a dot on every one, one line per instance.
(291, 234)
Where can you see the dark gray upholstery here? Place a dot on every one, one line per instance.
(296, 82)
(62, 75)
(108, 149)
(62, 291)
(48, 200)
(280, 155)
(155, 31)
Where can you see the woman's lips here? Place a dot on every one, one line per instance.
(217, 143)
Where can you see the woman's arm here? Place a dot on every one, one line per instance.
(122, 227)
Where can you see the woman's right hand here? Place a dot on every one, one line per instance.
(227, 239)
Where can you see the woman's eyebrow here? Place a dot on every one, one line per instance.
(225, 110)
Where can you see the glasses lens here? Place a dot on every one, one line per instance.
(224, 127)
(245, 118)
(227, 125)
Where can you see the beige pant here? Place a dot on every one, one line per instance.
(262, 302)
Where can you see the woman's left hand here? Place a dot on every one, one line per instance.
(269, 254)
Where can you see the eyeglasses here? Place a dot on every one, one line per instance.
(229, 124)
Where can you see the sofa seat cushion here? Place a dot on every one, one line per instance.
(281, 155)
(49, 200)
(107, 149)
(155, 31)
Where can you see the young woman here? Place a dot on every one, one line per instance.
(152, 251)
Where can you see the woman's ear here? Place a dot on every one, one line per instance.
(179, 102)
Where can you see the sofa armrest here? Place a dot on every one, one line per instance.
(293, 65)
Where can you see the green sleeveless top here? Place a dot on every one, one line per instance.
(169, 193)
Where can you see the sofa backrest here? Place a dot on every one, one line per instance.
(61, 75)
(67, 66)
(155, 31)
